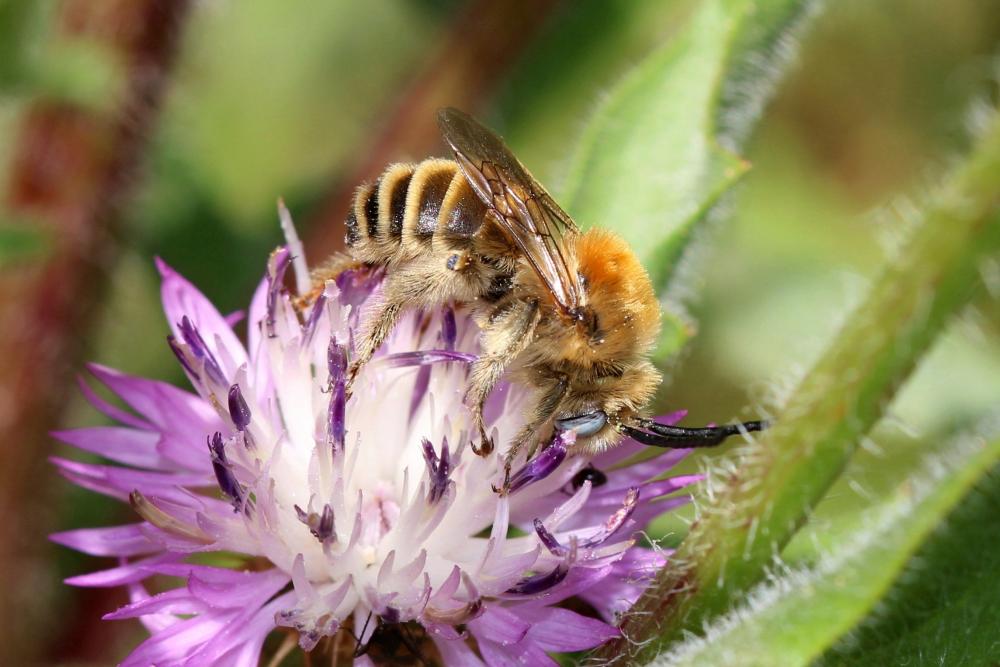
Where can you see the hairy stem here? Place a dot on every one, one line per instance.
(777, 480)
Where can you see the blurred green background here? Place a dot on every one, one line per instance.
(267, 100)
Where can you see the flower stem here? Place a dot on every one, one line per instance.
(778, 479)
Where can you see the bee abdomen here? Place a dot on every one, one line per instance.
(409, 209)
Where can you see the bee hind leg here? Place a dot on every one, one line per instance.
(376, 331)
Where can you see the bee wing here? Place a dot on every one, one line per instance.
(537, 225)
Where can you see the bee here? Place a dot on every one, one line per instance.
(570, 314)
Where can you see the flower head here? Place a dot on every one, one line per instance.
(365, 520)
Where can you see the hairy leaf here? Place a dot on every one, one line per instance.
(793, 619)
(662, 148)
(760, 501)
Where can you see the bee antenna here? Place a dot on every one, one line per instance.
(678, 437)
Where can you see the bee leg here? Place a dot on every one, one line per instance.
(376, 331)
(504, 337)
(542, 412)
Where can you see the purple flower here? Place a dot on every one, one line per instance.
(359, 518)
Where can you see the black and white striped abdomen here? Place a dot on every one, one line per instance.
(411, 209)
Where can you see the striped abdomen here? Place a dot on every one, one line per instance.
(412, 208)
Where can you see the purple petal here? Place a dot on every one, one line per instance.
(118, 443)
(119, 482)
(172, 644)
(420, 386)
(523, 653)
(241, 638)
(126, 573)
(128, 540)
(423, 358)
(561, 630)
(229, 589)
(456, 653)
(109, 410)
(499, 624)
(174, 601)
(167, 407)
(449, 329)
(182, 299)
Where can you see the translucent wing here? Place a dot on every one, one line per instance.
(524, 209)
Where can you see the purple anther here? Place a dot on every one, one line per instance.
(223, 473)
(539, 583)
(614, 522)
(175, 347)
(336, 423)
(610, 527)
(278, 264)
(336, 361)
(542, 465)
(200, 350)
(239, 411)
(449, 329)
(309, 328)
(548, 539)
(439, 470)
(320, 525)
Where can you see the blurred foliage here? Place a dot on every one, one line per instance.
(268, 103)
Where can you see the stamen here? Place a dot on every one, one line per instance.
(228, 483)
(175, 347)
(542, 465)
(439, 470)
(277, 265)
(320, 525)
(239, 411)
(539, 583)
(336, 361)
(201, 351)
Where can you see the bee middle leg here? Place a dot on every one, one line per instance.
(506, 334)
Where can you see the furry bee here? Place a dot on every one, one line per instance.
(571, 314)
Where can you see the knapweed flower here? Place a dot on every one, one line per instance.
(363, 527)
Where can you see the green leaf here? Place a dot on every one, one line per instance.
(661, 150)
(759, 501)
(944, 608)
(793, 619)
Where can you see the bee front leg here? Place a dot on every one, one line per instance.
(508, 332)
(542, 412)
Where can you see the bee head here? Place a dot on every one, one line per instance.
(596, 404)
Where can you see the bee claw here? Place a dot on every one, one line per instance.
(505, 488)
(485, 449)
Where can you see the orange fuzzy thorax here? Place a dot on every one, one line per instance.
(619, 293)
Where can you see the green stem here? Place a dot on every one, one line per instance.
(779, 478)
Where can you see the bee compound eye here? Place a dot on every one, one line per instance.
(584, 425)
